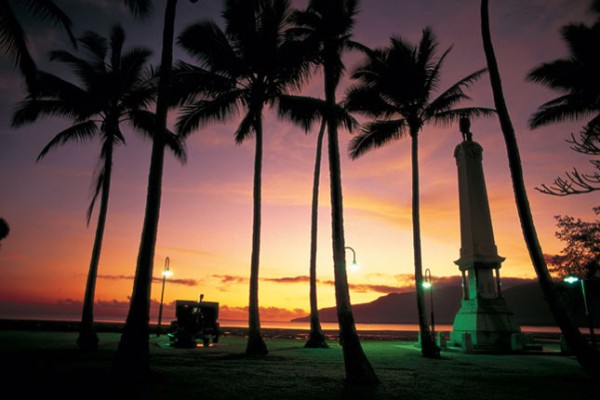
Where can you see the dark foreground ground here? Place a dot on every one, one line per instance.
(45, 363)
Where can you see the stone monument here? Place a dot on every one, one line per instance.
(483, 322)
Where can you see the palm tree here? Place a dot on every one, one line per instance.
(305, 111)
(115, 89)
(327, 25)
(248, 66)
(587, 356)
(398, 82)
(13, 39)
(316, 338)
(133, 354)
(576, 79)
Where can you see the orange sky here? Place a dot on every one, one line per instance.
(205, 226)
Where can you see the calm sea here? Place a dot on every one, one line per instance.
(294, 325)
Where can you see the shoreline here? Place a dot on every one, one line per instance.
(268, 333)
(271, 333)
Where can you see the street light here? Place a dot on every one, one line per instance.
(166, 272)
(354, 266)
(427, 284)
(571, 280)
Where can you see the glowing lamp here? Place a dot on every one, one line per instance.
(571, 279)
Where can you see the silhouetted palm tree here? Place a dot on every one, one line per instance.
(587, 356)
(399, 82)
(577, 80)
(13, 39)
(327, 25)
(575, 77)
(115, 88)
(133, 354)
(304, 111)
(248, 66)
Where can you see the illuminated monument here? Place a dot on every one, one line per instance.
(483, 322)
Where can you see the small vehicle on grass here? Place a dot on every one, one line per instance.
(195, 320)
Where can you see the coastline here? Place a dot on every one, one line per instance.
(270, 333)
(267, 332)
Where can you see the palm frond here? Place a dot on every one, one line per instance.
(363, 99)
(96, 45)
(117, 38)
(208, 43)
(78, 133)
(376, 134)
(13, 41)
(563, 108)
(47, 10)
(433, 74)
(301, 110)
(447, 117)
(245, 128)
(144, 123)
(195, 115)
(191, 83)
(177, 146)
(29, 111)
(453, 95)
(562, 75)
(139, 8)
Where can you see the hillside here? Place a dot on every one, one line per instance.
(526, 302)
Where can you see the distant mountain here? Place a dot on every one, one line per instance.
(525, 301)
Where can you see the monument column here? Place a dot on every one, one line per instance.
(483, 321)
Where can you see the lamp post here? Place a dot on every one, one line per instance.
(571, 280)
(354, 265)
(166, 272)
(427, 284)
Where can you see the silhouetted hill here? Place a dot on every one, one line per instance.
(526, 302)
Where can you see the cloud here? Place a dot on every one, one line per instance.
(295, 279)
(231, 278)
(266, 313)
(184, 282)
(227, 280)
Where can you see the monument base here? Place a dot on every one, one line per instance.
(486, 325)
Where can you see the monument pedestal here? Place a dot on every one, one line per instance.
(485, 325)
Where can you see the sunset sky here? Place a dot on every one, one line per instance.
(206, 215)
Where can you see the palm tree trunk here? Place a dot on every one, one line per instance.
(256, 345)
(88, 339)
(588, 357)
(316, 338)
(428, 347)
(133, 356)
(358, 368)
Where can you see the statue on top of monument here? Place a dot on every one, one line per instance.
(465, 125)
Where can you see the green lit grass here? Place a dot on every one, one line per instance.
(48, 364)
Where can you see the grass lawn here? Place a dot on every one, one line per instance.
(48, 364)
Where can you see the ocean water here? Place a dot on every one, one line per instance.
(329, 326)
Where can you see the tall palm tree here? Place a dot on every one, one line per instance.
(397, 83)
(133, 354)
(587, 356)
(115, 88)
(316, 338)
(305, 111)
(247, 66)
(327, 25)
(13, 39)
